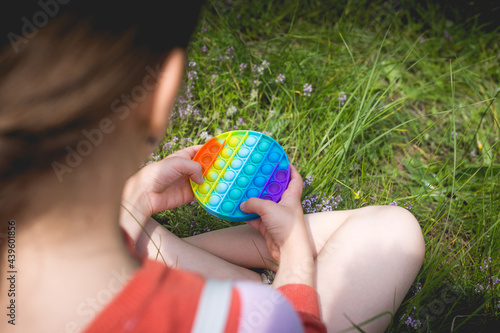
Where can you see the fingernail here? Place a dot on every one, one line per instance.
(242, 205)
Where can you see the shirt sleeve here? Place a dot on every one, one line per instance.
(305, 300)
(265, 310)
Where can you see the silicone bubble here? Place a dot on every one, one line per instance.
(239, 165)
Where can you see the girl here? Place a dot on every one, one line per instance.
(86, 92)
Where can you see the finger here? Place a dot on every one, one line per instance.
(294, 189)
(187, 153)
(195, 171)
(186, 167)
(193, 150)
(296, 181)
(255, 205)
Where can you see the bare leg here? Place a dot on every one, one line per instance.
(366, 260)
(159, 244)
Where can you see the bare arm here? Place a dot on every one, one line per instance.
(160, 186)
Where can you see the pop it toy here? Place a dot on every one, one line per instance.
(239, 165)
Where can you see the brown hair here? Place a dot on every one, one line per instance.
(61, 77)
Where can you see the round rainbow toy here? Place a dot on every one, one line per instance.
(239, 165)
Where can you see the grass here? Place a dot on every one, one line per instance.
(418, 127)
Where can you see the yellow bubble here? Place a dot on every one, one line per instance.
(212, 176)
(219, 164)
(233, 142)
(204, 188)
(226, 152)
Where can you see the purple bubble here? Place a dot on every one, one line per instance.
(269, 197)
(274, 188)
(281, 175)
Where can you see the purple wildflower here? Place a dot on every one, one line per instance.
(231, 110)
(268, 133)
(447, 35)
(307, 90)
(314, 203)
(308, 180)
(486, 261)
(214, 77)
(473, 153)
(479, 288)
(254, 94)
(394, 203)
(167, 146)
(258, 70)
(240, 121)
(192, 64)
(306, 204)
(229, 53)
(204, 135)
(417, 288)
(413, 323)
(184, 142)
(204, 49)
(280, 78)
(342, 97)
(421, 40)
(408, 205)
(192, 75)
(243, 66)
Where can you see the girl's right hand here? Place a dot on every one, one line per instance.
(282, 224)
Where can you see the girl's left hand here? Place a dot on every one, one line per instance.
(165, 184)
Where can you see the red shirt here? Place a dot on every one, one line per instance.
(163, 299)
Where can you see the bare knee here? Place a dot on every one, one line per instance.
(399, 227)
(374, 256)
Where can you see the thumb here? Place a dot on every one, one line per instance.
(193, 170)
(256, 205)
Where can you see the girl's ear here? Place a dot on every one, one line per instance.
(165, 92)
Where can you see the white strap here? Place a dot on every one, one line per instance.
(213, 307)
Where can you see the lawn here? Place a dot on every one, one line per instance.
(375, 102)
